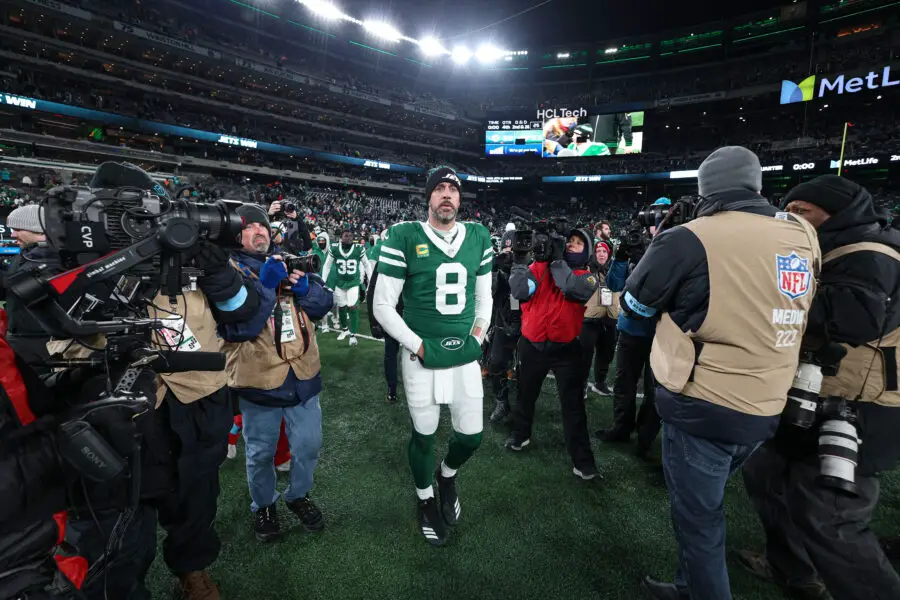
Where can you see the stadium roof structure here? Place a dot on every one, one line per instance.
(566, 36)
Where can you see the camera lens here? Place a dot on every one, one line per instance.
(803, 397)
(838, 455)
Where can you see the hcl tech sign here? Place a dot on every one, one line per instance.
(792, 92)
(546, 114)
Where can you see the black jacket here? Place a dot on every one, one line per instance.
(673, 277)
(851, 307)
(505, 317)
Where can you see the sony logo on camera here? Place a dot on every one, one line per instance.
(553, 113)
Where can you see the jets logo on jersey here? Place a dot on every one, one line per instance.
(422, 250)
(793, 275)
(451, 343)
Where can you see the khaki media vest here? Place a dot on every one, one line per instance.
(745, 353)
(256, 364)
(595, 310)
(862, 371)
(194, 385)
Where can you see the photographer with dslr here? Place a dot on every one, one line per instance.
(635, 336)
(294, 229)
(553, 291)
(730, 290)
(272, 362)
(816, 515)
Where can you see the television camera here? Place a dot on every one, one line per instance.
(538, 236)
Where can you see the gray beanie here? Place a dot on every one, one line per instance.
(728, 169)
(26, 218)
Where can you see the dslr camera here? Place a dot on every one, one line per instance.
(306, 262)
(836, 416)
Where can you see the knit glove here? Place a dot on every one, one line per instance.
(272, 273)
(450, 352)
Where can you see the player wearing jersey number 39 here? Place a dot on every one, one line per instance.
(343, 270)
(442, 270)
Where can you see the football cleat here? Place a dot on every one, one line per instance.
(353, 340)
(232, 451)
(430, 522)
(514, 442)
(343, 334)
(391, 398)
(450, 508)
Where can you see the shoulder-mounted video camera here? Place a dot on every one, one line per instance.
(665, 216)
(537, 235)
(121, 247)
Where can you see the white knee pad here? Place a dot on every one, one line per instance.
(425, 418)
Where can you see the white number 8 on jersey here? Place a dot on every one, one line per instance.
(445, 289)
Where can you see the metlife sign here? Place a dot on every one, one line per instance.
(807, 89)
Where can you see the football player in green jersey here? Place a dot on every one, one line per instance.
(442, 271)
(347, 261)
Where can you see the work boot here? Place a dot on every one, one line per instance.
(197, 585)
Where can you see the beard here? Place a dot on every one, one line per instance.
(259, 244)
(444, 217)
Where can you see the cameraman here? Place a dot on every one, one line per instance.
(815, 533)
(25, 335)
(633, 347)
(723, 350)
(553, 291)
(273, 366)
(183, 437)
(507, 328)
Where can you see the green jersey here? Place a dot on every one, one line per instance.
(439, 277)
(345, 268)
(373, 250)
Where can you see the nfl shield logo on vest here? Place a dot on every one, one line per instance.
(793, 275)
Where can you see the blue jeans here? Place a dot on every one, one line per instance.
(697, 470)
(262, 426)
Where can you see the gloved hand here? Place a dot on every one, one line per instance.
(211, 258)
(450, 352)
(557, 247)
(272, 273)
(301, 288)
(622, 253)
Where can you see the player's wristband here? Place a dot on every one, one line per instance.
(443, 353)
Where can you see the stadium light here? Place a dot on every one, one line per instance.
(432, 47)
(385, 31)
(461, 55)
(562, 55)
(488, 54)
(326, 10)
(610, 51)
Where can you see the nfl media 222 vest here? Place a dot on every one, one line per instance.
(762, 279)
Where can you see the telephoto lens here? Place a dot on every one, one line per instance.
(838, 446)
(803, 397)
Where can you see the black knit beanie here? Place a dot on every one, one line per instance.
(439, 175)
(253, 213)
(831, 193)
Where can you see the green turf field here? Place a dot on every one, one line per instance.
(529, 528)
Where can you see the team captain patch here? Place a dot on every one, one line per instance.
(422, 250)
(793, 275)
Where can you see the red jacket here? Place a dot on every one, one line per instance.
(548, 315)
